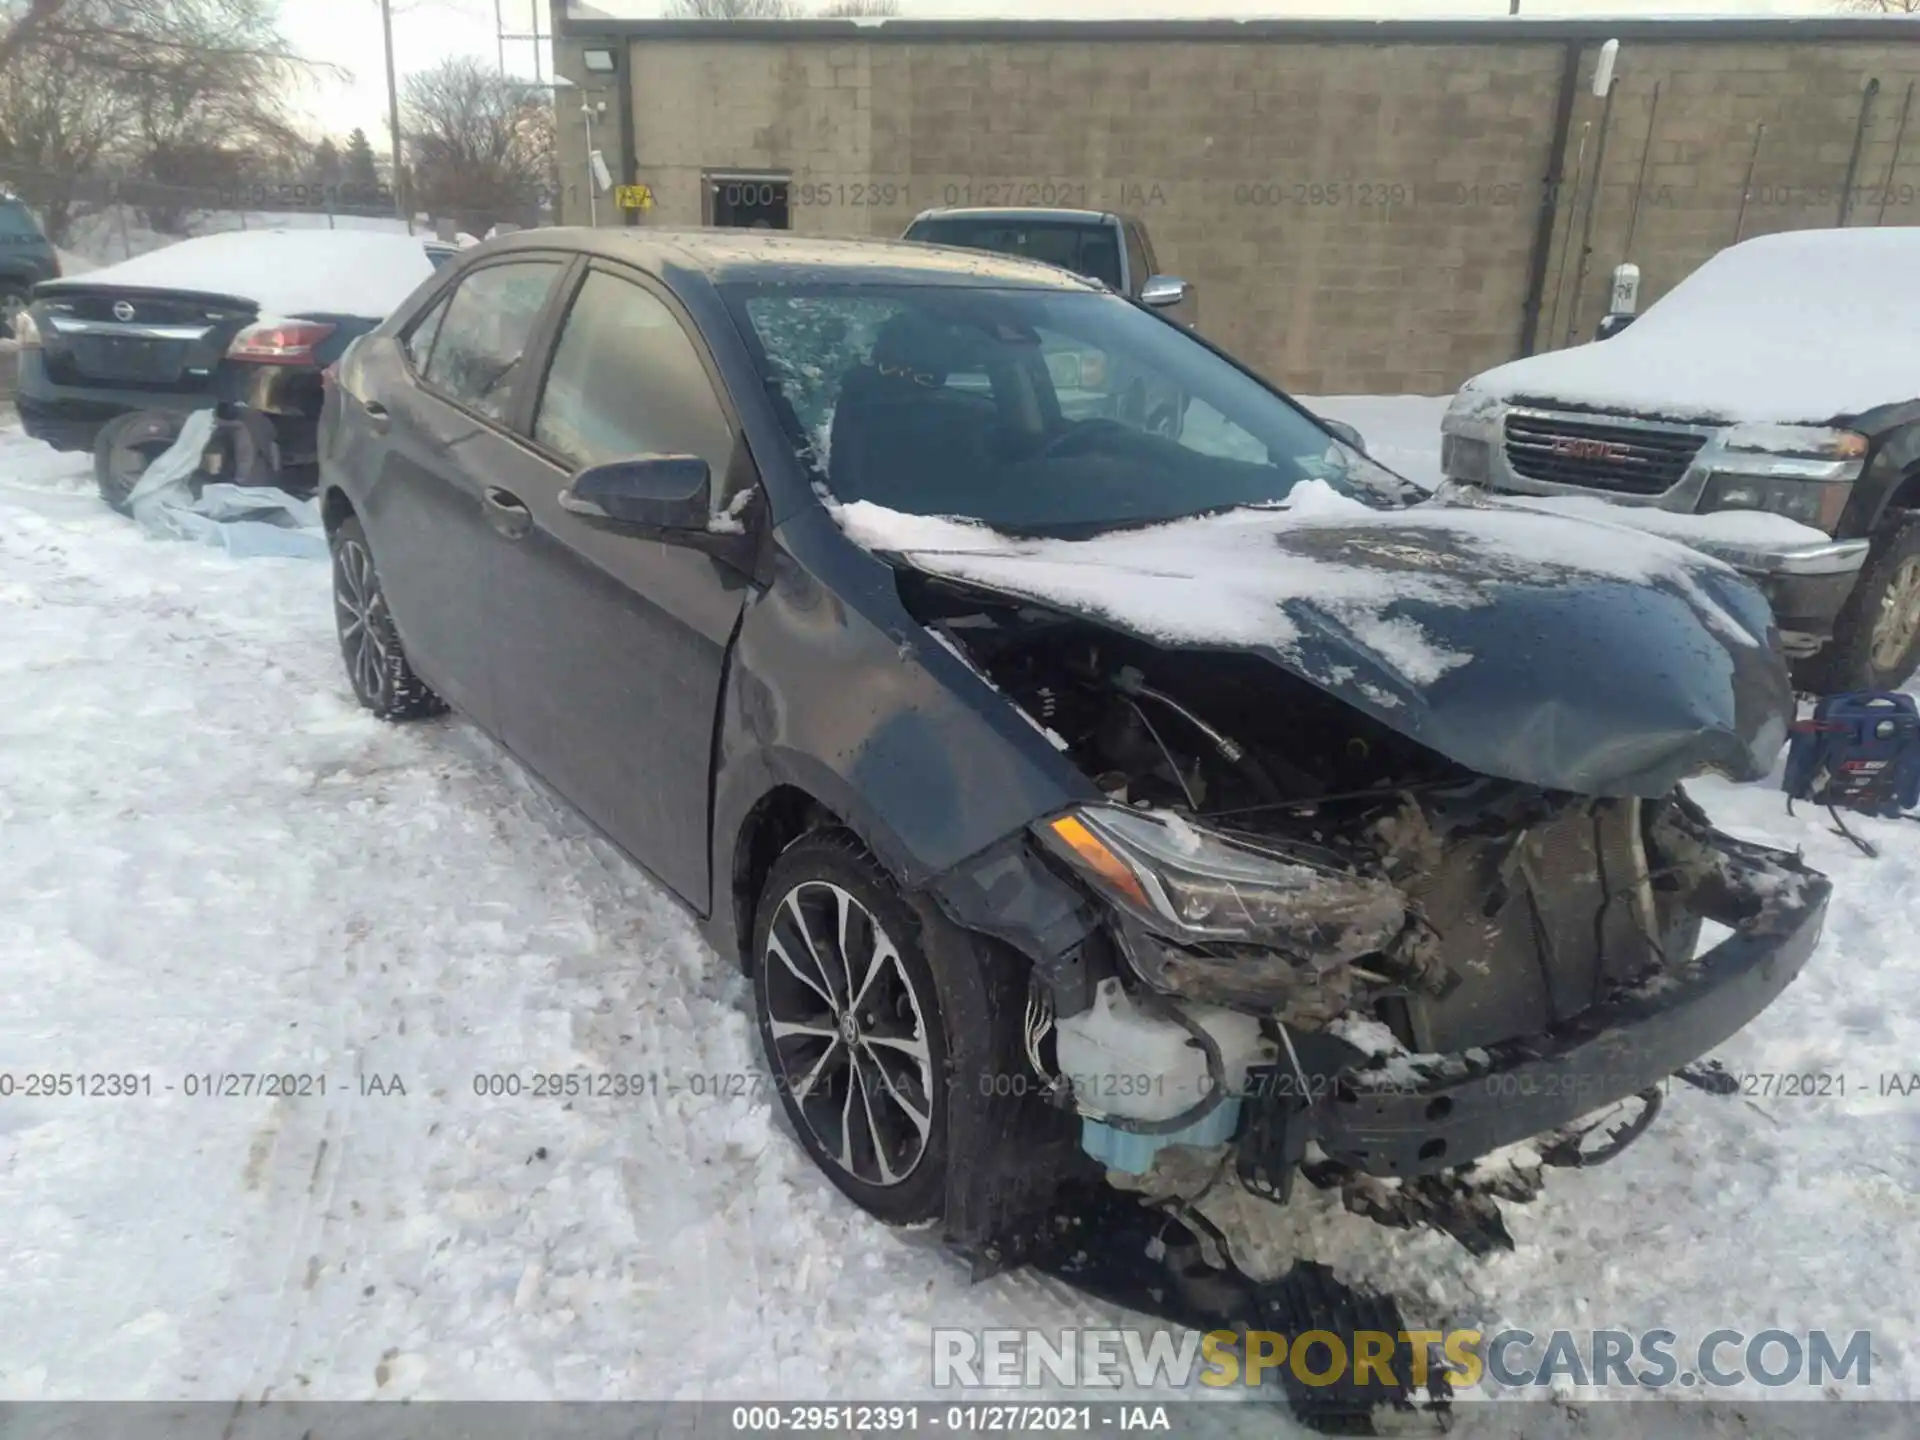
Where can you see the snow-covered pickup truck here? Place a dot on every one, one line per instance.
(1767, 411)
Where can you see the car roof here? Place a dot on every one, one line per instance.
(763, 256)
(1016, 212)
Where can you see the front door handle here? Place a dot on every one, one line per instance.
(507, 513)
(377, 416)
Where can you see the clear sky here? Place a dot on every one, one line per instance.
(346, 33)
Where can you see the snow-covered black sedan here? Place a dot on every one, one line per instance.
(1092, 808)
(243, 322)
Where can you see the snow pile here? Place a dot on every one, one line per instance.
(116, 234)
(284, 272)
(1802, 327)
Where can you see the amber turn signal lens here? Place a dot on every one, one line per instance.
(1099, 859)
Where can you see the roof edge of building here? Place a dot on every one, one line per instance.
(1561, 28)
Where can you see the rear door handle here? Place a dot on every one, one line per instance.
(507, 513)
(377, 416)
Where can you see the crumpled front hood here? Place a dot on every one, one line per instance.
(1564, 653)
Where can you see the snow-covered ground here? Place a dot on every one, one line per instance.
(211, 861)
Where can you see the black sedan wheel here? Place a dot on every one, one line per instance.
(126, 446)
(377, 665)
(850, 1020)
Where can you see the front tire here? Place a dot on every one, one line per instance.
(383, 681)
(1876, 640)
(852, 1026)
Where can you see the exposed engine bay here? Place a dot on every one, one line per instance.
(1306, 906)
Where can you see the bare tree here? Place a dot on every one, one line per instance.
(58, 121)
(24, 22)
(207, 107)
(857, 9)
(1882, 7)
(733, 9)
(180, 95)
(479, 144)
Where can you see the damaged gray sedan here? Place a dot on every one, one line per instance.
(1093, 808)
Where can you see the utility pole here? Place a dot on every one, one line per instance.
(593, 184)
(400, 203)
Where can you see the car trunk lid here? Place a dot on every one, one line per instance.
(137, 338)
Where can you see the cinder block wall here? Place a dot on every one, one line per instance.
(1360, 215)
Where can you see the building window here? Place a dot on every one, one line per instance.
(747, 202)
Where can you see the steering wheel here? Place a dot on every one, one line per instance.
(1084, 435)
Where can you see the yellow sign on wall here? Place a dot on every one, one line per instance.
(633, 197)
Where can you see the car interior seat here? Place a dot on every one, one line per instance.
(901, 435)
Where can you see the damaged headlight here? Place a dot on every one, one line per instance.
(1195, 885)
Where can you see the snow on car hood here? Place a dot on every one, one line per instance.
(285, 272)
(1799, 328)
(1556, 651)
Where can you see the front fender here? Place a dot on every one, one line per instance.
(835, 690)
(1895, 430)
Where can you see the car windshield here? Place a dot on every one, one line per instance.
(1035, 411)
(1089, 248)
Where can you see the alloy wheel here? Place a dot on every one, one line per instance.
(360, 611)
(1897, 624)
(849, 1033)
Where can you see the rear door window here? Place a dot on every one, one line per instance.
(476, 356)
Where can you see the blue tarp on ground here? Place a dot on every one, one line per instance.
(243, 520)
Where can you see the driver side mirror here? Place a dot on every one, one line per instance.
(1344, 433)
(653, 492)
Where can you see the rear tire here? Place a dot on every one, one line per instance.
(383, 681)
(1876, 639)
(852, 1026)
(126, 446)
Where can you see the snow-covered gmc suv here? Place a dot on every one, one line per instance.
(1766, 410)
